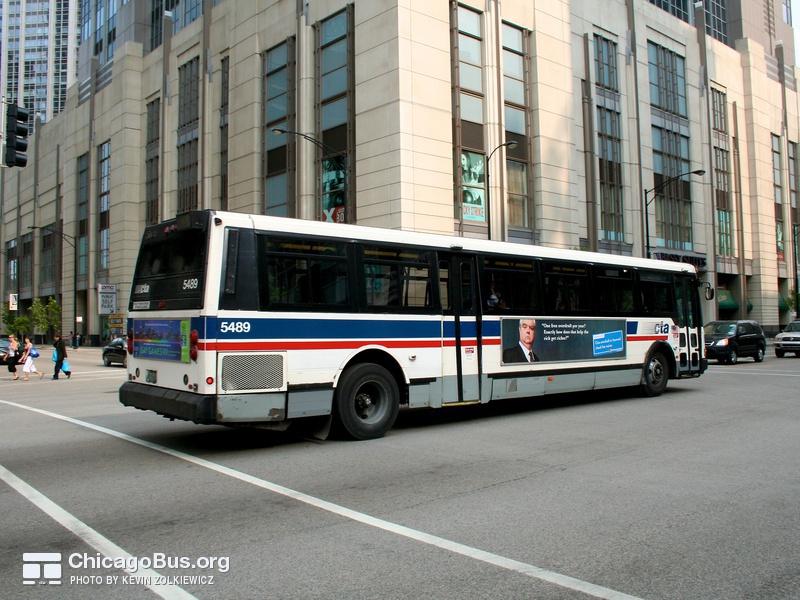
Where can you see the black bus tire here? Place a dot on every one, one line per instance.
(367, 401)
(655, 375)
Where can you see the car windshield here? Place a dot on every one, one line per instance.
(716, 328)
(793, 326)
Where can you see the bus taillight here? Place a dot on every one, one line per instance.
(193, 337)
(130, 341)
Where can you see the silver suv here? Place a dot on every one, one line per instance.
(788, 340)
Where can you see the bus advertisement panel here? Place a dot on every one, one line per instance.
(161, 339)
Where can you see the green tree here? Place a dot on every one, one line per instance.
(41, 317)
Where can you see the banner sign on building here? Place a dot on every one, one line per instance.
(107, 298)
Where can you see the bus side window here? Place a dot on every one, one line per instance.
(444, 283)
(396, 278)
(510, 286)
(613, 289)
(566, 288)
(656, 293)
(299, 272)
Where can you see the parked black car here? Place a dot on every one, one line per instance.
(728, 340)
(116, 352)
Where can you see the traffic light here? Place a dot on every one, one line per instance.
(15, 138)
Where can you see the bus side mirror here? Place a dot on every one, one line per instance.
(709, 291)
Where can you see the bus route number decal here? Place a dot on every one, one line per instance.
(234, 327)
(190, 284)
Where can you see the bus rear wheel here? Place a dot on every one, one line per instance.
(655, 376)
(367, 401)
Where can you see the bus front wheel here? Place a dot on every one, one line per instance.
(367, 401)
(655, 376)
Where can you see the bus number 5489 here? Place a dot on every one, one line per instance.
(234, 327)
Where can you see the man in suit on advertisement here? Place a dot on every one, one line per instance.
(523, 351)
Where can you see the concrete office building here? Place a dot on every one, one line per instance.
(563, 123)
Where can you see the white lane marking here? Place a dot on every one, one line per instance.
(91, 536)
(558, 579)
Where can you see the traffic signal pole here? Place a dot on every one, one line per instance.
(14, 135)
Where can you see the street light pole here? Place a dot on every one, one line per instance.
(509, 144)
(335, 154)
(655, 191)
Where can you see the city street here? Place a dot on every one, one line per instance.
(691, 495)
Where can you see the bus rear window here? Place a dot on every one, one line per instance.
(170, 271)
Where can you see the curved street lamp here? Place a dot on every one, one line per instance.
(655, 191)
(334, 154)
(509, 144)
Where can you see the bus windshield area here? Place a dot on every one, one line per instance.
(170, 271)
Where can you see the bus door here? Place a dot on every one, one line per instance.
(461, 329)
(689, 324)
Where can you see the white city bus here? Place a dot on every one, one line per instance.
(247, 320)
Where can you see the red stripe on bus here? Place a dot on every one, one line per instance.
(317, 345)
(647, 338)
(335, 344)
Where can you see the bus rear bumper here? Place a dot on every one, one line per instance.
(175, 404)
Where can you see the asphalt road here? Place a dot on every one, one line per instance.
(692, 495)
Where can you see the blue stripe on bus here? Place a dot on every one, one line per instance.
(315, 328)
(318, 328)
(633, 327)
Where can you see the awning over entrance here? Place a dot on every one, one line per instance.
(725, 300)
(782, 304)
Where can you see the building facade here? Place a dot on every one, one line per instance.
(621, 126)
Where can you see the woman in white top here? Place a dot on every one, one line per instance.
(29, 367)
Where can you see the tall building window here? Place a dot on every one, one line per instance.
(152, 163)
(717, 19)
(793, 174)
(103, 205)
(278, 112)
(48, 257)
(516, 111)
(609, 140)
(335, 70)
(673, 202)
(26, 262)
(787, 11)
(188, 134)
(723, 202)
(677, 8)
(667, 80)
(11, 265)
(99, 28)
(85, 10)
(224, 105)
(83, 215)
(777, 190)
(723, 205)
(468, 95)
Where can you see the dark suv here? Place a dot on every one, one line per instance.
(728, 340)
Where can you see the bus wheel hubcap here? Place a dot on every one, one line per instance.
(364, 405)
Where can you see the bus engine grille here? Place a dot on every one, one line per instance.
(252, 372)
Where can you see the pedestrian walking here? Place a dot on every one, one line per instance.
(28, 355)
(60, 357)
(12, 357)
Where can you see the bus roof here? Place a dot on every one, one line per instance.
(397, 236)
